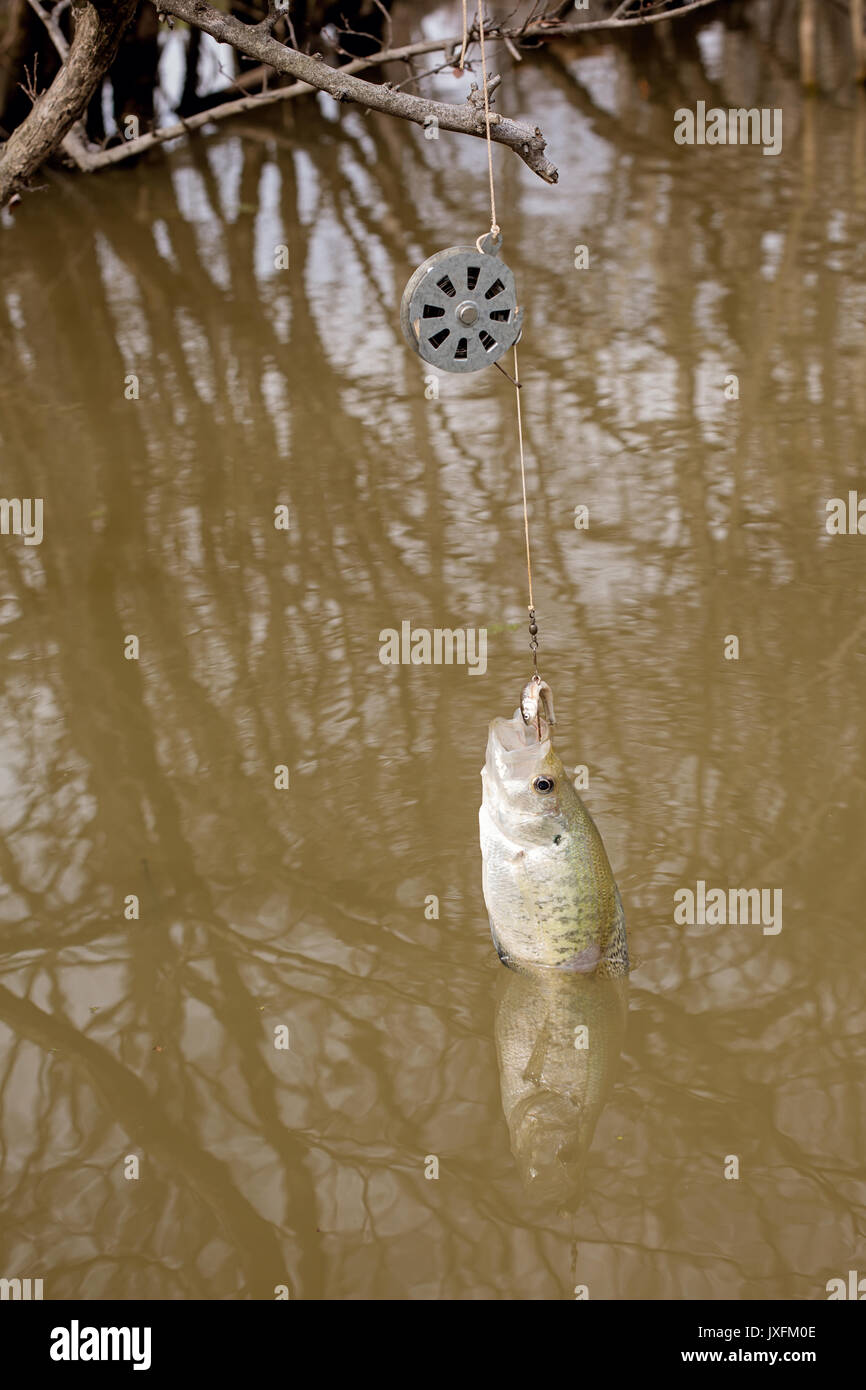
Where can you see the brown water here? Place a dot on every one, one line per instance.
(305, 907)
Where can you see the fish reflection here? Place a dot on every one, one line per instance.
(558, 1040)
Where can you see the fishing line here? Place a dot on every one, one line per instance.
(465, 37)
(494, 229)
(459, 309)
(533, 625)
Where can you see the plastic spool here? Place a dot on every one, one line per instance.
(459, 310)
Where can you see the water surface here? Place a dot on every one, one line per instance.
(306, 907)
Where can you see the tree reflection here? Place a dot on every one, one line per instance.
(259, 648)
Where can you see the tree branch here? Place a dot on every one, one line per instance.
(75, 143)
(132, 149)
(98, 31)
(542, 28)
(618, 20)
(21, 156)
(58, 38)
(257, 42)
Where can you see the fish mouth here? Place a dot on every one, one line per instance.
(515, 734)
(514, 748)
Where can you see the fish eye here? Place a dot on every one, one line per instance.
(543, 784)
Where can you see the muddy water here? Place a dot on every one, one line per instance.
(309, 909)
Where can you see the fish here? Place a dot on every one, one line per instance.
(558, 1041)
(548, 886)
(537, 698)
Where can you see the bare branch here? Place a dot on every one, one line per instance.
(515, 52)
(526, 141)
(618, 20)
(226, 110)
(132, 149)
(98, 31)
(58, 38)
(313, 75)
(388, 23)
(75, 143)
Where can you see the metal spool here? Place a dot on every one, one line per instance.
(459, 310)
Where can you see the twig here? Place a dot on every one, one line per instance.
(542, 29)
(515, 52)
(388, 30)
(419, 76)
(28, 86)
(275, 14)
(58, 38)
(132, 149)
